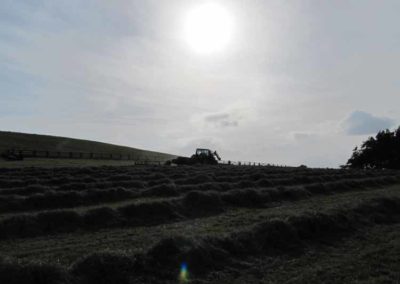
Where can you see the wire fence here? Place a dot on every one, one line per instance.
(20, 154)
(254, 164)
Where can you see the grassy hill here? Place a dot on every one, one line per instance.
(24, 141)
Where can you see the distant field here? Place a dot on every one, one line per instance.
(59, 163)
(23, 141)
(224, 224)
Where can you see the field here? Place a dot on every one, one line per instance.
(62, 163)
(200, 224)
(24, 141)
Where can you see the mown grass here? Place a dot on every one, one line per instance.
(142, 222)
(370, 255)
(207, 254)
(67, 247)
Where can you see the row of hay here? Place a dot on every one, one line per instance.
(248, 181)
(72, 179)
(75, 186)
(193, 204)
(272, 237)
(150, 173)
(198, 182)
(65, 199)
(259, 197)
(164, 262)
(171, 189)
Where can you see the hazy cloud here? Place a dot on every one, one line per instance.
(222, 120)
(303, 135)
(120, 72)
(363, 123)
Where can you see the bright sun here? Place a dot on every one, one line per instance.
(208, 28)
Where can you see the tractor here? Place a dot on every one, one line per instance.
(202, 156)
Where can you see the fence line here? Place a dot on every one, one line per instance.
(19, 154)
(255, 164)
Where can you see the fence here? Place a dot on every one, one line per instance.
(21, 154)
(254, 164)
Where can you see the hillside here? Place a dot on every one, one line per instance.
(24, 141)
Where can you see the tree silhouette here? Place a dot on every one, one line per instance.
(381, 152)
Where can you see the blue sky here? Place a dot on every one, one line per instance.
(301, 82)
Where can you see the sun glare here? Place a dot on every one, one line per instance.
(208, 28)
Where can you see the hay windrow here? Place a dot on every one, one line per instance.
(203, 255)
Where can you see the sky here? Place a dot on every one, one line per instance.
(299, 82)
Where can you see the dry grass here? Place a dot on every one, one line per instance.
(139, 224)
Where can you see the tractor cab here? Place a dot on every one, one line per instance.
(208, 154)
(205, 152)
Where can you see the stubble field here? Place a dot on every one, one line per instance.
(200, 224)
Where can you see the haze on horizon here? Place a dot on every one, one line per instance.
(299, 82)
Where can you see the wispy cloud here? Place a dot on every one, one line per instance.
(363, 123)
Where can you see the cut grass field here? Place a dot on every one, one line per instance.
(228, 224)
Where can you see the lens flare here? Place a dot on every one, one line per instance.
(184, 274)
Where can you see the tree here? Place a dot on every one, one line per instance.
(381, 152)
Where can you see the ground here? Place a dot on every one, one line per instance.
(227, 224)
